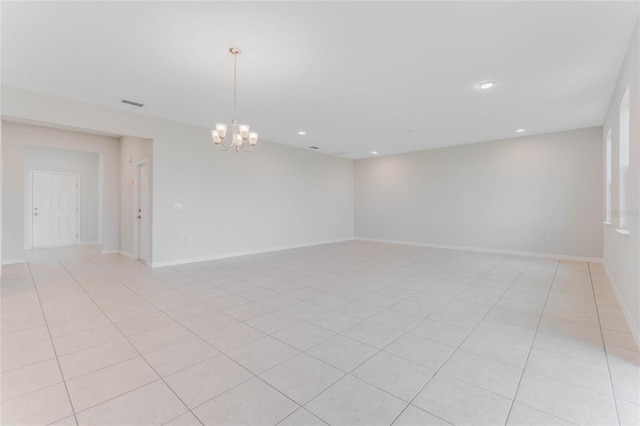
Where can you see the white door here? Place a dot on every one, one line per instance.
(142, 215)
(54, 209)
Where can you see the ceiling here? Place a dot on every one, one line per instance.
(358, 77)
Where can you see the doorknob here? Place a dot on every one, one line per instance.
(35, 214)
(139, 217)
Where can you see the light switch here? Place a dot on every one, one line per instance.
(177, 206)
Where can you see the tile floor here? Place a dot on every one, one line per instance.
(354, 333)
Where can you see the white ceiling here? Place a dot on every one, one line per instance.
(357, 76)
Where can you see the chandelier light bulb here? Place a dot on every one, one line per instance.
(221, 129)
(253, 138)
(216, 137)
(244, 131)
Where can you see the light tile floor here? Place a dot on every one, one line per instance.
(341, 334)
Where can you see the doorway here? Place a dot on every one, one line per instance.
(54, 209)
(141, 212)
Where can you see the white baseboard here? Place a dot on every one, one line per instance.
(116, 251)
(13, 261)
(126, 253)
(488, 250)
(242, 253)
(89, 243)
(633, 326)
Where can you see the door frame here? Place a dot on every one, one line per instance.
(135, 204)
(28, 213)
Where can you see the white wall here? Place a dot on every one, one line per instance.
(84, 164)
(622, 252)
(232, 202)
(15, 138)
(540, 194)
(132, 150)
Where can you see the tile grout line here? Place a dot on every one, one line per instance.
(301, 408)
(28, 365)
(524, 367)
(547, 414)
(565, 381)
(6, 333)
(567, 356)
(119, 395)
(604, 346)
(55, 353)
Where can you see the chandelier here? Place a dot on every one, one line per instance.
(240, 132)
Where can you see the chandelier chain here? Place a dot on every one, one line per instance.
(235, 80)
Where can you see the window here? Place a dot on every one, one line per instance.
(607, 207)
(624, 161)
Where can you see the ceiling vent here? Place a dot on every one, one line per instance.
(314, 147)
(138, 104)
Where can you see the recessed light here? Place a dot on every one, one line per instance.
(519, 130)
(374, 152)
(302, 132)
(486, 85)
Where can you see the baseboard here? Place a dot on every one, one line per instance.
(242, 253)
(116, 251)
(89, 243)
(126, 253)
(13, 261)
(633, 326)
(488, 250)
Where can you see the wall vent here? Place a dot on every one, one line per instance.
(138, 104)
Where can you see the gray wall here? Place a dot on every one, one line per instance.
(59, 160)
(539, 194)
(15, 138)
